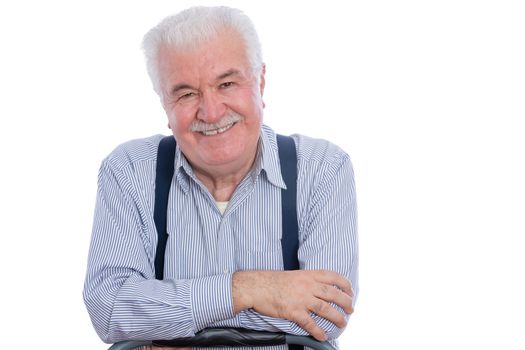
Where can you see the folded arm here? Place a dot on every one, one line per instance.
(317, 301)
(294, 295)
(122, 296)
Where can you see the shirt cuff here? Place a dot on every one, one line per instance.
(211, 300)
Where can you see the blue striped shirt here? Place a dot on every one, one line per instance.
(204, 248)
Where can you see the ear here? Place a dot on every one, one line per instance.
(261, 79)
(262, 83)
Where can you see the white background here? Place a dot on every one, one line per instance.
(428, 97)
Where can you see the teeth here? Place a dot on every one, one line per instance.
(209, 133)
(217, 131)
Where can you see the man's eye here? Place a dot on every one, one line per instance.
(226, 84)
(186, 95)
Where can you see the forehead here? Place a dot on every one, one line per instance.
(207, 60)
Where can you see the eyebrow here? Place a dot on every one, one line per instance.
(229, 73)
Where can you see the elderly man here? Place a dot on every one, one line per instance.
(223, 258)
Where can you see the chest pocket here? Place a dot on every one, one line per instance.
(260, 250)
(270, 260)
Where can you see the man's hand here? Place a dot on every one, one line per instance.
(292, 295)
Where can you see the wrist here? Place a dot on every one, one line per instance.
(241, 293)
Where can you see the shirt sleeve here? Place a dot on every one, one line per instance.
(329, 239)
(122, 296)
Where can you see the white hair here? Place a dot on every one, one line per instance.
(191, 27)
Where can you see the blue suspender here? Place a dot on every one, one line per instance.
(290, 238)
(163, 176)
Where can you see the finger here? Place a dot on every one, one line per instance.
(308, 324)
(333, 295)
(328, 312)
(335, 279)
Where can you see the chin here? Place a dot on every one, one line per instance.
(220, 158)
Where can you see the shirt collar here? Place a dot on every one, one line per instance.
(269, 157)
(183, 170)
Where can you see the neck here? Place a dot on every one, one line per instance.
(222, 181)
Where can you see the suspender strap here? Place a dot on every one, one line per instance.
(289, 240)
(163, 177)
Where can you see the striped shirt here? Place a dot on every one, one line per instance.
(205, 247)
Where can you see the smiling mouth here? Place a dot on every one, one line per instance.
(218, 131)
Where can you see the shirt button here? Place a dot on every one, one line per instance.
(226, 271)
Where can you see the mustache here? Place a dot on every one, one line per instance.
(230, 118)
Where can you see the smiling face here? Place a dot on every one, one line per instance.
(214, 103)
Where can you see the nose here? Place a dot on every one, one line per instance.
(211, 108)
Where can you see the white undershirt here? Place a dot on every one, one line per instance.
(222, 206)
